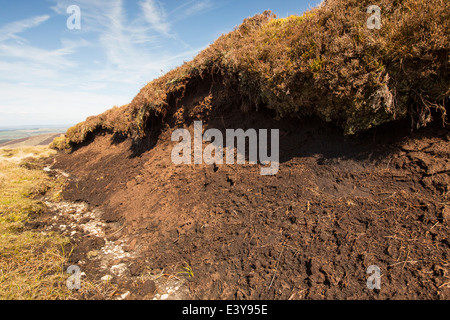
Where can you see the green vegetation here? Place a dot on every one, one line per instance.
(187, 269)
(326, 63)
(60, 143)
(31, 263)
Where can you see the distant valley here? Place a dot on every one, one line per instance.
(9, 134)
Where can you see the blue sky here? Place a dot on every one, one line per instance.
(51, 75)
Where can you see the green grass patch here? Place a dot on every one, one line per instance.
(31, 262)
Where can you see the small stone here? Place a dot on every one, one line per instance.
(107, 278)
(92, 254)
(119, 269)
(125, 295)
(164, 296)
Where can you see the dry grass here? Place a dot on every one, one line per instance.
(325, 63)
(32, 263)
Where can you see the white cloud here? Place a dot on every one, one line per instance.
(50, 58)
(44, 85)
(156, 16)
(21, 104)
(10, 30)
(191, 8)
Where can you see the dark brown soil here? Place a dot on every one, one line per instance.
(337, 206)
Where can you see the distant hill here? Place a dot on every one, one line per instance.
(39, 140)
(22, 132)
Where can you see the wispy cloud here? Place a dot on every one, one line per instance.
(10, 30)
(156, 16)
(135, 46)
(130, 50)
(17, 51)
(191, 8)
(56, 59)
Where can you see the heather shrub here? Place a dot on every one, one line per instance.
(325, 63)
